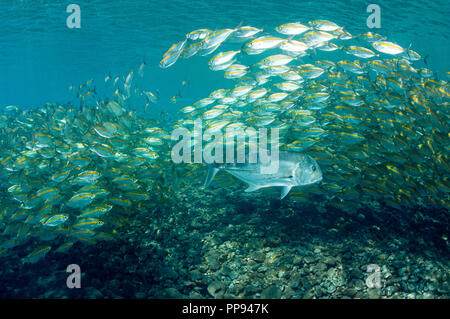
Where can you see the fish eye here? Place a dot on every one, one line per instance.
(313, 168)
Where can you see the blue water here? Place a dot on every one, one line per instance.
(40, 57)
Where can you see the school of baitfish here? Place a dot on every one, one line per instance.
(73, 175)
(377, 125)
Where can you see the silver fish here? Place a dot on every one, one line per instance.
(293, 169)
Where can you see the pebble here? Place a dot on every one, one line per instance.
(271, 292)
(140, 295)
(196, 275)
(358, 284)
(195, 295)
(373, 293)
(320, 267)
(350, 292)
(212, 261)
(173, 293)
(295, 281)
(258, 256)
(330, 261)
(216, 289)
(93, 293)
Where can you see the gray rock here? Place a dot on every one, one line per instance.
(356, 274)
(212, 259)
(258, 256)
(361, 295)
(171, 274)
(294, 283)
(173, 293)
(226, 270)
(195, 295)
(358, 284)
(443, 288)
(320, 267)
(235, 290)
(196, 275)
(350, 292)
(216, 289)
(373, 293)
(390, 290)
(330, 261)
(298, 260)
(306, 283)
(140, 295)
(271, 292)
(250, 291)
(196, 223)
(309, 294)
(93, 293)
(288, 293)
(308, 259)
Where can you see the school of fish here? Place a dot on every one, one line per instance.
(74, 174)
(376, 124)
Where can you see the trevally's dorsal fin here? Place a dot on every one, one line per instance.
(212, 171)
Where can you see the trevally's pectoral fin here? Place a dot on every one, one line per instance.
(284, 191)
(252, 188)
(212, 171)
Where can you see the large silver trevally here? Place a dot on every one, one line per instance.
(293, 169)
